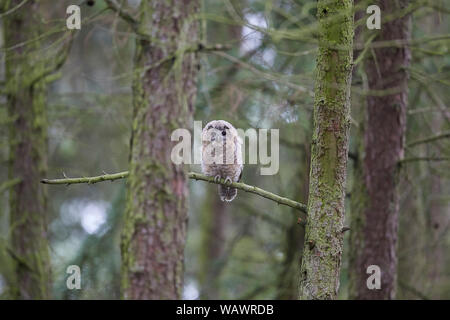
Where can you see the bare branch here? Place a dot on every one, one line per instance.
(9, 184)
(192, 175)
(424, 159)
(429, 139)
(125, 15)
(413, 290)
(88, 180)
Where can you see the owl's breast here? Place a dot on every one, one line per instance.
(215, 162)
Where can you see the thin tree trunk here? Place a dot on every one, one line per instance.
(412, 236)
(439, 217)
(294, 237)
(153, 237)
(27, 153)
(437, 222)
(213, 223)
(215, 213)
(287, 288)
(374, 230)
(320, 269)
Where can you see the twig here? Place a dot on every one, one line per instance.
(9, 184)
(55, 64)
(192, 175)
(424, 159)
(345, 229)
(18, 259)
(125, 15)
(422, 110)
(429, 139)
(88, 180)
(265, 75)
(2, 14)
(190, 49)
(413, 290)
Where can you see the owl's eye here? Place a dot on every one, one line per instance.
(224, 133)
(209, 127)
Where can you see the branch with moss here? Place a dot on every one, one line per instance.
(88, 180)
(123, 13)
(53, 64)
(199, 47)
(192, 175)
(9, 184)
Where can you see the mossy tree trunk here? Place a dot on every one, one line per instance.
(27, 152)
(320, 268)
(153, 237)
(375, 223)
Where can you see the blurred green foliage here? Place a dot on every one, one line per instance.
(264, 81)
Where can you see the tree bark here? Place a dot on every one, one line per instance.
(320, 269)
(287, 288)
(154, 230)
(375, 222)
(214, 218)
(27, 152)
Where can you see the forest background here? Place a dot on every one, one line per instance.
(256, 67)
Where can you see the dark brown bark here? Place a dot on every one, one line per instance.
(154, 231)
(374, 226)
(27, 154)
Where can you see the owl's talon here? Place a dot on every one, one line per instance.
(217, 178)
(228, 181)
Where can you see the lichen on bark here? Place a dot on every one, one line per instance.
(320, 268)
(153, 236)
(27, 153)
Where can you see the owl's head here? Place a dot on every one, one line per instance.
(219, 131)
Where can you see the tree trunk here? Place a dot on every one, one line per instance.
(213, 242)
(153, 237)
(287, 288)
(319, 274)
(374, 226)
(438, 219)
(27, 153)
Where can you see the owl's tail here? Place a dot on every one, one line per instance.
(227, 193)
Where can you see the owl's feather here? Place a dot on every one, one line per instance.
(227, 193)
(221, 135)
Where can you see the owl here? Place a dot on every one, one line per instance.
(221, 155)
